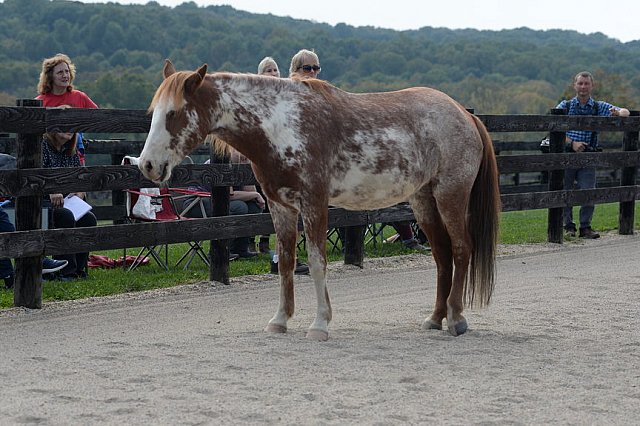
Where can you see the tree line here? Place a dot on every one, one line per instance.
(119, 52)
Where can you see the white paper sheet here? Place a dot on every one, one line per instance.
(77, 206)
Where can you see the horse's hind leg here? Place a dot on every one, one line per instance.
(428, 218)
(285, 222)
(453, 216)
(315, 228)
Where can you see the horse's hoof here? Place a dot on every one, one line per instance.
(319, 335)
(276, 328)
(458, 328)
(430, 324)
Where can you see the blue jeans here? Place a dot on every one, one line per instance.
(582, 179)
(6, 267)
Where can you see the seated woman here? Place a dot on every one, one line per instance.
(242, 200)
(59, 150)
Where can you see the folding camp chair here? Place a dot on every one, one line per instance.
(374, 232)
(148, 205)
(333, 239)
(155, 205)
(191, 199)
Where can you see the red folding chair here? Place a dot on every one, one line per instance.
(155, 205)
(148, 205)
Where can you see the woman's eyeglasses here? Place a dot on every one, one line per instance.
(309, 68)
(271, 70)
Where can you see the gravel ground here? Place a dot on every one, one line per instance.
(559, 344)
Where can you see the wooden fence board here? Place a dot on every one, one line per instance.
(60, 241)
(26, 183)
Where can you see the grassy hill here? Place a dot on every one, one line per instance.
(119, 51)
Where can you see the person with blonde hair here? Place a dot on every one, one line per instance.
(55, 88)
(304, 64)
(268, 66)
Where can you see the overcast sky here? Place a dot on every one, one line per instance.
(617, 19)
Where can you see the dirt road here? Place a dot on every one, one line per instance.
(559, 344)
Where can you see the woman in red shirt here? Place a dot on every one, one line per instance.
(55, 89)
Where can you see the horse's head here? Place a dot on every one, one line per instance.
(180, 122)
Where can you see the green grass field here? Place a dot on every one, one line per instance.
(515, 228)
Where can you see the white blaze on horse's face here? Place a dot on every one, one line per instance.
(164, 150)
(156, 153)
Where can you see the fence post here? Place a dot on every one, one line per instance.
(118, 196)
(27, 290)
(354, 245)
(628, 178)
(556, 183)
(219, 249)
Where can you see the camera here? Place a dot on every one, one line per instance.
(590, 148)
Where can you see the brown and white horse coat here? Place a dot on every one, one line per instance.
(312, 145)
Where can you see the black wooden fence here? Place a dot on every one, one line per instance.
(28, 183)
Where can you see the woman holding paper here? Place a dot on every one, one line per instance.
(68, 210)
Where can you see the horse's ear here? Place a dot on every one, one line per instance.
(168, 68)
(202, 70)
(195, 80)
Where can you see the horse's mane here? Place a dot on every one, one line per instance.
(322, 87)
(171, 86)
(220, 147)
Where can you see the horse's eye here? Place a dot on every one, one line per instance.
(171, 115)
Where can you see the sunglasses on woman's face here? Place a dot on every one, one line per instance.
(271, 70)
(309, 68)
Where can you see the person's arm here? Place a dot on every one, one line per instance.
(576, 146)
(619, 112)
(248, 196)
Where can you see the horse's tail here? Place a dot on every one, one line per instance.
(484, 217)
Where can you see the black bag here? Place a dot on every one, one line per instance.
(592, 147)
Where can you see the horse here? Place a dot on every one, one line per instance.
(312, 145)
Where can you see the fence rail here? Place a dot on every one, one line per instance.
(29, 183)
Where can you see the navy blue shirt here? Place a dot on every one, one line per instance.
(52, 158)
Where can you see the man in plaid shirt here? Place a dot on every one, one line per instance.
(584, 141)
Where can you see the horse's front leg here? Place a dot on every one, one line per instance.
(315, 228)
(285, 222)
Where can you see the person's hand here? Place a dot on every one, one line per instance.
(81, 195)
(260, 201)
(619, 112)
(57, 200)
(578, 146)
